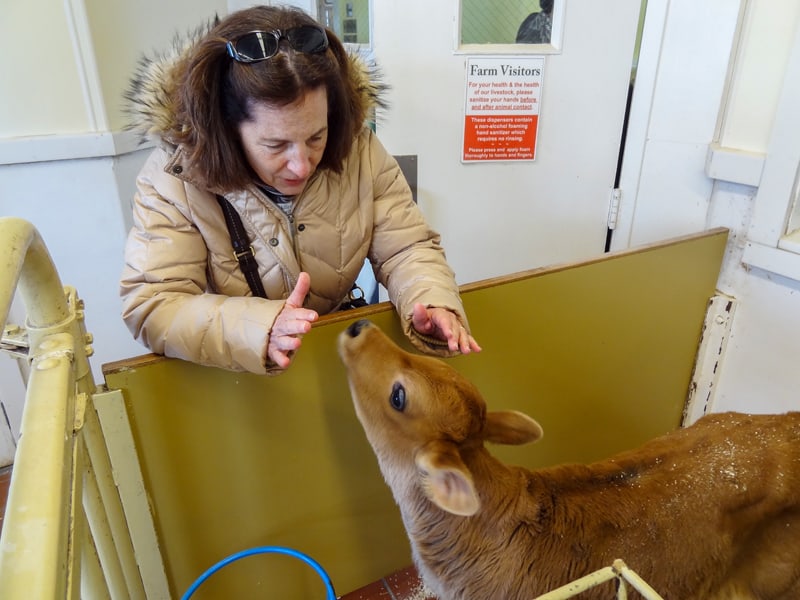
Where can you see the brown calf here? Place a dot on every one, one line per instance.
(707, 512)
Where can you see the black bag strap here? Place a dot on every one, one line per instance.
(243, 253)
(242, 250)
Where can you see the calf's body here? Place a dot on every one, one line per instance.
(708, 512)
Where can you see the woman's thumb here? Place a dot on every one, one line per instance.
(300, 290)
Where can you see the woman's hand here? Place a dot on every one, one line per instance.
(444, 325)
(292, 322)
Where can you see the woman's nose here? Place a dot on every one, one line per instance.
(300, 161)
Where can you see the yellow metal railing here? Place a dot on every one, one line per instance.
(619, 571)
(65, 532)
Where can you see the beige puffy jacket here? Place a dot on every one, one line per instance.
(184, 294)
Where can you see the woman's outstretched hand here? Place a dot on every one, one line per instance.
(443, 325)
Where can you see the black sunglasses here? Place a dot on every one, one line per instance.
(261, 45)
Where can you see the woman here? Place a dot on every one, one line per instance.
(263, 117)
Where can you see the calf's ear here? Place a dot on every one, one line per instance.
(446, 480)
(511, 427)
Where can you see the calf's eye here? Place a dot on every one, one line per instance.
(398, 397)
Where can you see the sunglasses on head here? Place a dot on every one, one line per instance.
(261, 45)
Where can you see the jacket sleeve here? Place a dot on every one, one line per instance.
(166, 303)
(406, 253)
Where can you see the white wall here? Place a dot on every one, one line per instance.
(80, 209)
(706, 137)
(501, 217)
(37, 66)
(760, 61)
(759, 369)
(64, 163)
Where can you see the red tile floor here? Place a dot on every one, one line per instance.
(5, 480)
(402, 585)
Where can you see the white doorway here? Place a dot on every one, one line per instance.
(502, 217)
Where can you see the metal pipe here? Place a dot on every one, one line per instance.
(619, 571)
(37, 541)
(639, 584)
(580, 585)
(36, 530)
(27, 265)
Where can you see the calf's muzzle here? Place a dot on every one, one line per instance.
(355, 328)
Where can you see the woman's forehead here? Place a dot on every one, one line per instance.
(307, 115)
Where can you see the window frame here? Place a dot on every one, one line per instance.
(554, 47)
(773, 239)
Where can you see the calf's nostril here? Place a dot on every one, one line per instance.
(355, 328)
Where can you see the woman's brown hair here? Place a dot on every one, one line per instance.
(215, 94)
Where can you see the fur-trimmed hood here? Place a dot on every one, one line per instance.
(149, 96)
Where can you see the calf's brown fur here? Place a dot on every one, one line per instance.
(708, 512)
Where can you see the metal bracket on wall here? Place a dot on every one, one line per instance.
(14, 341)
(710, 353)
(613, 208)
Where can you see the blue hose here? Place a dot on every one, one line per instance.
(331, 595)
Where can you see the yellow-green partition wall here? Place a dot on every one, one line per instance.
(600, 352)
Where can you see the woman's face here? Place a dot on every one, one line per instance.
(284, 144)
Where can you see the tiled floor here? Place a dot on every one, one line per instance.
(402, 585)
(5, 480)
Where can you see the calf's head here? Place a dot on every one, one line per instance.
(423, 418)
